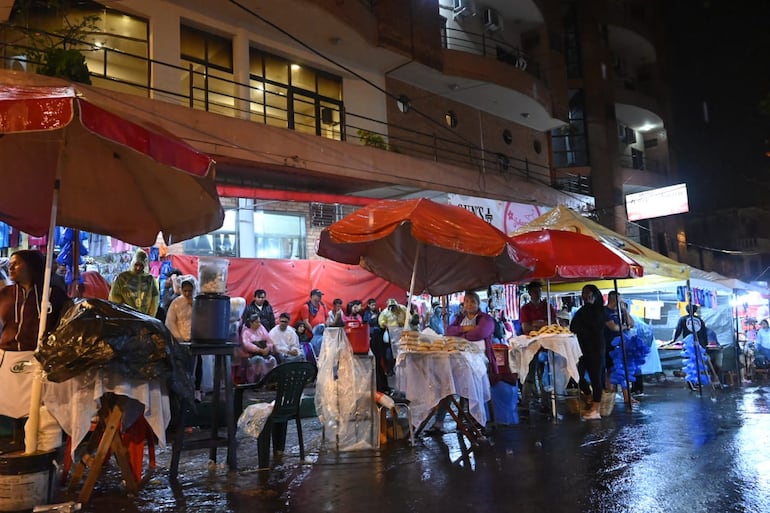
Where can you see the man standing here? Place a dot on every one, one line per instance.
(314, 312)
(137, 287)
(534, 315)
(261, 307)
(285, 341)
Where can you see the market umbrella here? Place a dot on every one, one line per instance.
(562, 255)
(424, 246)
(568, 256)
(71, 162)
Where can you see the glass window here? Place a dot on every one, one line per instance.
(280, 235)
(329, 86)
(276, 69)
(276, 235)
(303, 77)
(295, 96)
(209, 59)
(115, 44)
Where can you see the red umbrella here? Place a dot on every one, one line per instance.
(425, 246)
(72, 162)
(563, 255)
(114, 175)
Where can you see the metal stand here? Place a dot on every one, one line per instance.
(222, 353)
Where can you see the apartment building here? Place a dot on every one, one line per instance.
(314, 107)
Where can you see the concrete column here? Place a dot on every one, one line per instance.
(246, 240)
(241, 74)
(165, 48)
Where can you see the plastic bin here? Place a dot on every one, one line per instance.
(212, 275)
(210, 318)
(358, 336)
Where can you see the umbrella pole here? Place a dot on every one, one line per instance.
(551, 359)
(695, 341)
(737, 337)
(627, 395)
(33, 422)
(411, 286)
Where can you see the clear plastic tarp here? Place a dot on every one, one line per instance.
(344, 397)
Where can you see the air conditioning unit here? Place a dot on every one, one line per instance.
(18, 63)
(492, 20)
(463, 8)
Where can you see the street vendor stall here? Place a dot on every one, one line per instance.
(524, 348)
(427, 247)
(431, 371)
(568, 256)
(89, 162)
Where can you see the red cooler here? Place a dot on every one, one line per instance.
(358, 336)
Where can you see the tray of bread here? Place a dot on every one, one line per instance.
(413, 341)
(550, 329)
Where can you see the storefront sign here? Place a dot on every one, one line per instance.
(657, 202)
(503, 215)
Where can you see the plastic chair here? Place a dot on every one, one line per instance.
(290, 379)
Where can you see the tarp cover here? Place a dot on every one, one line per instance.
(94, 333)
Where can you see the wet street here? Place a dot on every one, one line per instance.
(675, 452)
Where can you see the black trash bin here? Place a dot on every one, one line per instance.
(210, 318)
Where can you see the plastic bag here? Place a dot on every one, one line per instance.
(94, 333)
(254, 417)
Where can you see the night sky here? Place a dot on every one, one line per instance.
(719, 52)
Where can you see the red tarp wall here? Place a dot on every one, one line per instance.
(288, 282)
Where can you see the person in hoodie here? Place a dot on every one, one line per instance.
(262, 307)
(437, 318)
(20, 310)
(136, 287)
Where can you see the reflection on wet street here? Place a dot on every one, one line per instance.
(677, 451)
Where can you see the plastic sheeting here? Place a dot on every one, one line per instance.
(288, 282)
(96, 334)
(344, 396)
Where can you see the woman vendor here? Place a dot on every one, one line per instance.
(474, 325)
(20, 309)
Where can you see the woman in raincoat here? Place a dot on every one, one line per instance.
(137, 287)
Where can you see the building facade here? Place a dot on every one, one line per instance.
(314, 107)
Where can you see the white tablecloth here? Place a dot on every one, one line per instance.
(74, 402)
(524, 348)
(428, 377)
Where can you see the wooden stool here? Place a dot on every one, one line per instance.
(761, 374)
(135, 438)
(104, 439)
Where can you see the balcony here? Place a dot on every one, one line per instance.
(202, 90)
(489, 46)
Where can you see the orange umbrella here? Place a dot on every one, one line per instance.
(424, 246)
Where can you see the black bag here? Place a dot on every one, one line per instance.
(761, 362)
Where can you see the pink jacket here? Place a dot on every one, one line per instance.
(250, 338)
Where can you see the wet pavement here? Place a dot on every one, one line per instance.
(677, 451)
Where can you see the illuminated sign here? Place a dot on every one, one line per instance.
(657, 202)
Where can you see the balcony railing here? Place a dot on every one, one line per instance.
(272, 104)
(488, 46)
(642, 163)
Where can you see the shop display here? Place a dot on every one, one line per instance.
(550, 329)
(414, 341)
